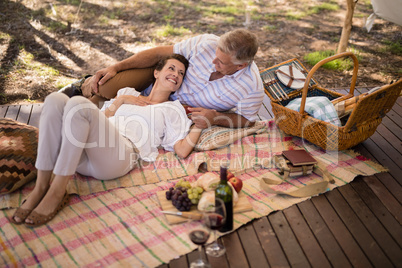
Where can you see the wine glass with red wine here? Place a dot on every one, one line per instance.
(215, 217)
(199, 237)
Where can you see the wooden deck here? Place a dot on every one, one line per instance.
(356, 225)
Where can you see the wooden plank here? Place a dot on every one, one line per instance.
(391, 138)
(324, 236)
(391, 126)
(289, 243)
(234, 251)
(397, 108)
(306, 238)
(390, 248)
(395, 117)
(388, 200)
(392, 185)
(3, 110)
(386, 179)
(270, 243)
(265, 111)
(383, 159)
(35, 114)
(367, 243)
(340, 232)
(388, 149)
(381, 212)
(179, 263)
(12, 112)
(399, 101)
(24, 113)
(252, 247)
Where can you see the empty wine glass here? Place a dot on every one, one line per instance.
(199, 237)
(215, 217)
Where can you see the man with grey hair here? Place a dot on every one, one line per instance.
(222, 85)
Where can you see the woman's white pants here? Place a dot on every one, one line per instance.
(75, 136)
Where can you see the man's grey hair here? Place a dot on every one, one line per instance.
(241, 44)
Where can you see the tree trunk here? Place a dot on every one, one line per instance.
(347, 26)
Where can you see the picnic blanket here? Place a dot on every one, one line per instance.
(124, 226)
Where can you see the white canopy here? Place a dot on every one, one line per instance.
(389, 10)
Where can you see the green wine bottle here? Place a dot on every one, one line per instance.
(224, 192)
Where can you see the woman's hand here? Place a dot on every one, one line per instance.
(126, 99)
(130, 99)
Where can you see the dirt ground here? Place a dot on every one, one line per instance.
(45, 45)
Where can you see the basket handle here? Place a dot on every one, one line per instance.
(322, 62)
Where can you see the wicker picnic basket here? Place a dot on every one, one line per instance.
(361, 123)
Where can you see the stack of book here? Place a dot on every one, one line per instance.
(295, 163)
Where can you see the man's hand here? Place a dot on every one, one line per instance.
(101, 77)
(205, 118)
(202, 118)
(143, 59)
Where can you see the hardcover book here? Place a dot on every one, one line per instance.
(299, 157)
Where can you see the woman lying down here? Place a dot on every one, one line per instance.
(75, 136)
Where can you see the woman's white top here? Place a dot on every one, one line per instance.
(151, 126)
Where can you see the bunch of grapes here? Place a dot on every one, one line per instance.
(179, 198)
(183, 183)
(195, 194)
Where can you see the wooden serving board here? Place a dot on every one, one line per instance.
(242, 205)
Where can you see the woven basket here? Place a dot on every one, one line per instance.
(360, 125)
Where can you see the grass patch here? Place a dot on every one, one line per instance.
(228, 10)
(25, 63)
(297, 15)
(55, 26)
(322, 7)
(115, 13)
(3, 98)
(4, 36)
(212, 27)
(393, 47)
(169, 16)
(270, 17)
(338, 64)
(103, 20)
(255, 16)
(29, 100)
(63, 81)
(230, 19)
(71, 2)
(269, 28)
(169, 30)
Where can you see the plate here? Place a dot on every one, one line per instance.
(285, 78)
